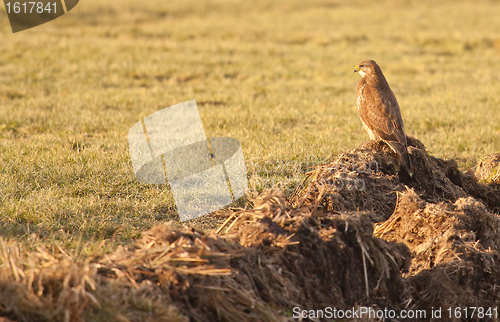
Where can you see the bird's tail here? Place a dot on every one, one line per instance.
(402, 151)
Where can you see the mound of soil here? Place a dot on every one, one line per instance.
(369, 176)
(436, 244)
(455, 248)
(273, 259)
(360, 232)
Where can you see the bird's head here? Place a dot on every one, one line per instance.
(366, 67)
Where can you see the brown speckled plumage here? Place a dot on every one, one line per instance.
(379, 110)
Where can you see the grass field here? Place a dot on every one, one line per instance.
(276, 75)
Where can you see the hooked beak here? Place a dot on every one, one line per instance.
(356, 69)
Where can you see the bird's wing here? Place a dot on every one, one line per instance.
(380, 112)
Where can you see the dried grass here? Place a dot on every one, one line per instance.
(488, 170)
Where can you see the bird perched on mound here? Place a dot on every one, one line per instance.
(379, 110)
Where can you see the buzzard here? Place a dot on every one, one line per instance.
(379, 111)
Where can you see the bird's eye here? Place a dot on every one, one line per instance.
(361, 66)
